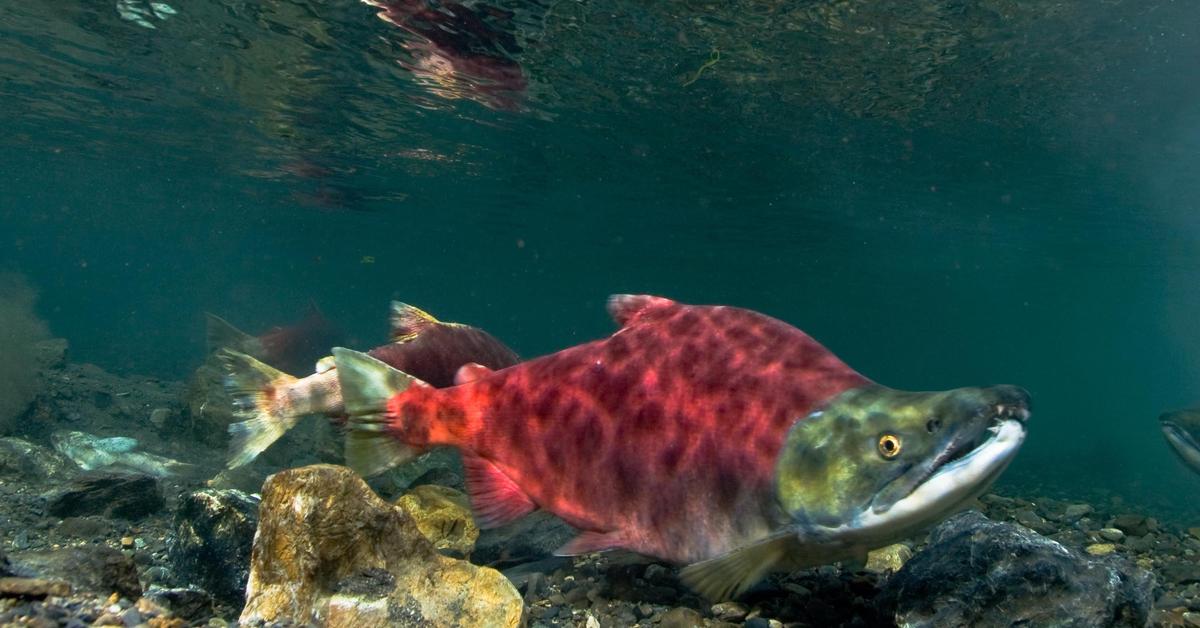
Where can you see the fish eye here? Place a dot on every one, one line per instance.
(889, 446)
(933, 425)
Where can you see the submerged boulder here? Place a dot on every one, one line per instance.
(211, 540)
(107, 493)
(979, 572)
(329, 551)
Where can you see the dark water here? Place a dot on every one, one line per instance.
(943, 193)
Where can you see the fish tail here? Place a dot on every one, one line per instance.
(367, 384)
(255, 388)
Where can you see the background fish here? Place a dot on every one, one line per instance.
(271, 402)
(290, 348)
(668, 439)
(1181, 428)
(93, 452)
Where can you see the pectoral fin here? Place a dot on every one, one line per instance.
(726, 576)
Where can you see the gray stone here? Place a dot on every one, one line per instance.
(980, 572)
(187, 603)
(124, 495)
(1131, 524)
(1075, 512)
(1112, 534)
(211, 540)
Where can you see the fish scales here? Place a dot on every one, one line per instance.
(660, 439)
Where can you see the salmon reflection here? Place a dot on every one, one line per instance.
(457, 52)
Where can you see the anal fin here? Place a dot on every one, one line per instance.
(726, 576)
(495, 498)
(591, 541)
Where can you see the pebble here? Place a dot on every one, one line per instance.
(1101, 549)
(681, 618)
(1075, 512)
(1112, 534)
(729, 611)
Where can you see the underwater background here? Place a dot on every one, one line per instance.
(944, 194)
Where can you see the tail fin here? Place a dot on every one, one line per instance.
(367, 384)
(222, 335)
(253, 386)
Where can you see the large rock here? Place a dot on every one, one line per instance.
(95, 568)
(978, 572)
(329, 551)
(111, 494)
(444, 516)
(211, 541)
(23, 459)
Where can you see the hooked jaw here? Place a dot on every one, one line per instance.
(973, 455)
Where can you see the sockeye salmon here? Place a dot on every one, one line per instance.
(271, 402)
(711, 436)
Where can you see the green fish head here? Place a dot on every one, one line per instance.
(1182, 431)
(876, 465)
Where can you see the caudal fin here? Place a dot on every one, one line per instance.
(366, 385)
(254, 387)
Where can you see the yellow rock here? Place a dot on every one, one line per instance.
(443, 515)
(888, 559)
(1101, 549)
(1194, 532)
(330, 552)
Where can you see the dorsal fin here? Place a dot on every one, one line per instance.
(470, 372)
(623, 308)
(408, 321)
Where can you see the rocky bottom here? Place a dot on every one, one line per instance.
(122, 544)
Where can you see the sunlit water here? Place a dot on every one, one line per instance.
(943, 193)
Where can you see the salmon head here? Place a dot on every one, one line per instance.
(1182, 431)
(876, 465)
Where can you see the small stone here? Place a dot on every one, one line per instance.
(95, 568)
(159, 416)
(888, 559)
(729, 611)
(591, 621)
(1194, 532)
(1131, 524)
(1101, 549)
(1191, 620)
(189, 603)
(1074, 512)
(643, 610)
(682, 618)
(108, 619)
(127, 542)
(1112, 534)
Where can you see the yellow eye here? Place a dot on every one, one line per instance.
(889, 445)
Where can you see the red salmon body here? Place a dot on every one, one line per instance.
(661, 438)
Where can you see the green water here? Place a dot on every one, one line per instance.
(943, 193)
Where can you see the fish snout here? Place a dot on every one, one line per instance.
(1010, 402)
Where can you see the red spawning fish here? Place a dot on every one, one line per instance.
(710, 436)
(271, 402)
(290, 347)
